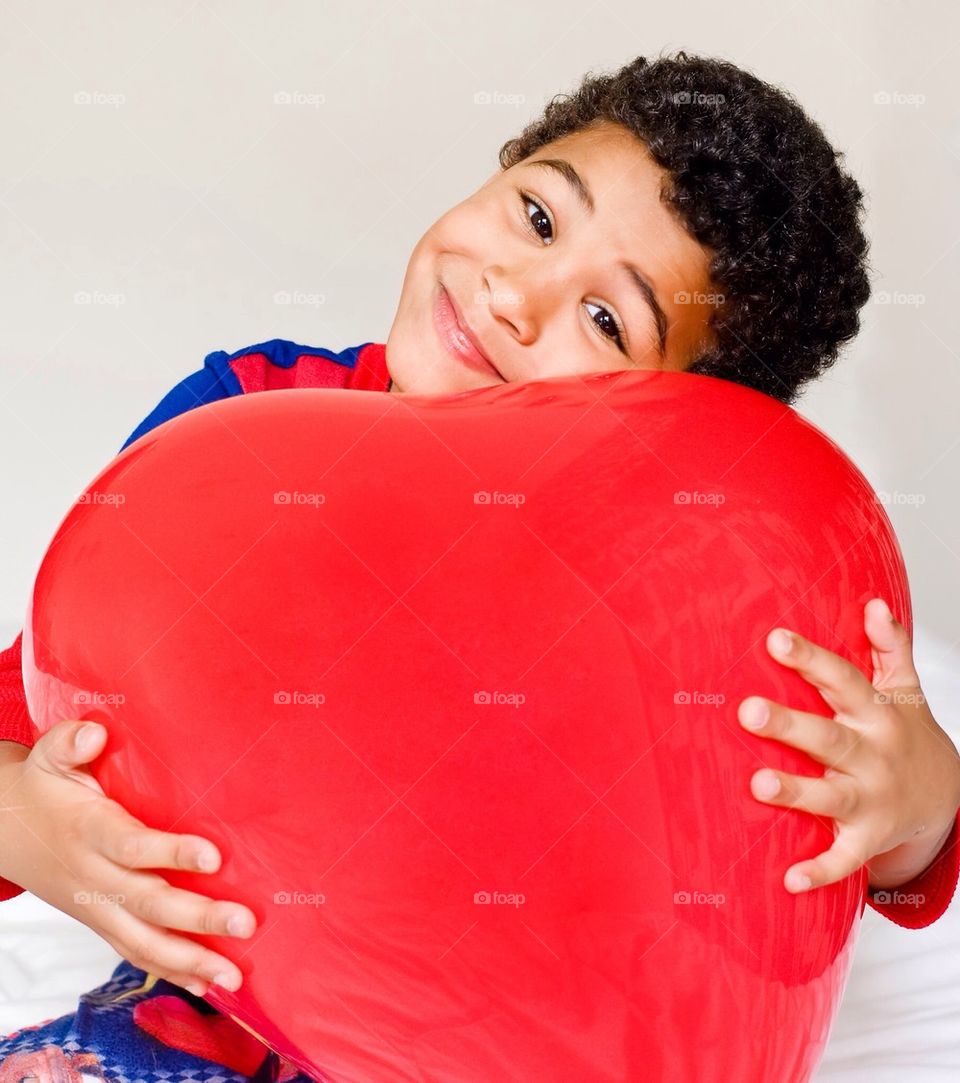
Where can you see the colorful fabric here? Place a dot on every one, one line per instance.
(137, 1029)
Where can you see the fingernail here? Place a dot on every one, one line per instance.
(195, 988)
(756, 715)
(226, 982)
(767, 785)
(238, 925)
(83, 738)
(782, 641)
(886, 610)
(798, 881)
(205, 861)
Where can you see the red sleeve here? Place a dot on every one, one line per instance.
(281, 364)
(15, 724)
(920, 901)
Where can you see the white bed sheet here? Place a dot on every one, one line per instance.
(899, 1019)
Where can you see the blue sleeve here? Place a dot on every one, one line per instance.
(214, 381)
(217, 379)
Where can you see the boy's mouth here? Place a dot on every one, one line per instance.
(456, 335)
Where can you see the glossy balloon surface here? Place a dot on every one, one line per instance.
(452, 684)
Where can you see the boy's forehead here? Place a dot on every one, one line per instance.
(627, 185)
(597, 143)
(614, 164)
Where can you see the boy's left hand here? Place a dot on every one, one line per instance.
(892, 778)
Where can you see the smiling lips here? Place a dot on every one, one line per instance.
(456, 337)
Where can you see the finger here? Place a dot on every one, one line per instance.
(174, 908)
(69, 744)
(131, 844)
(190, 982)
(836, 797)
(166, 954)
(825, 739)
(846, 856)
(841, 684)
(891, 648)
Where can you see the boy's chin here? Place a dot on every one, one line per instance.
(438, 375)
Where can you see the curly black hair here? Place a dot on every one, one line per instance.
(753, 178)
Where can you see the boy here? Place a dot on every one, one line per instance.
(675, 215)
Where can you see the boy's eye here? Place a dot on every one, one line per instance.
(544, 218)
(540, 221)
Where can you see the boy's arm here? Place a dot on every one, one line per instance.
(15, 724)
(920, 901)
(212, 382)
(271, 366)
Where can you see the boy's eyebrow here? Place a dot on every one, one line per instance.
(572, 177)
(585, 198)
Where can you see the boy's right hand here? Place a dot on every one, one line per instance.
(80, 851)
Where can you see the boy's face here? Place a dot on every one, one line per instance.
(538, 286)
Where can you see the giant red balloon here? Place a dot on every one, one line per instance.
(473, 760)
